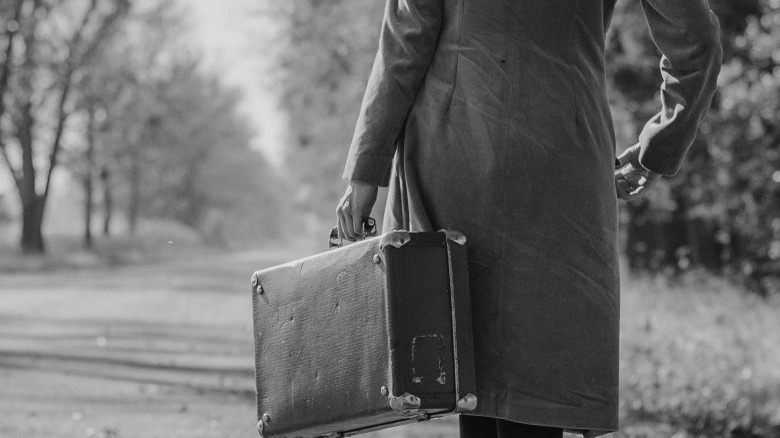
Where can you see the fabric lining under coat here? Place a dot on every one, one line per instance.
(497, 116)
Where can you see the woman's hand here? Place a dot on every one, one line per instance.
(354, 208)
(632, 179)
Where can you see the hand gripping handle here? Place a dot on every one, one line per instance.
(369, 230)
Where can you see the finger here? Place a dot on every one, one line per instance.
(633, 196)
(639, 192)
(340, 218)
(344, 222)
(622, 187)
(346, 213)
(633, 177)
(629, 155)
(623, 158)
(629, 190)
(357, 225)
(340, 224)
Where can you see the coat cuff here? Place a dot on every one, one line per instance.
(369, 169)
(661, 143)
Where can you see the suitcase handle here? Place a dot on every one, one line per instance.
(369, 230)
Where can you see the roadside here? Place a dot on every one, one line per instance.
(143, 351)
(164, 349)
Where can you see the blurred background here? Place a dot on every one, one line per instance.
(154, 153)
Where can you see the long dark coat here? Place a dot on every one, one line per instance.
(496, 113)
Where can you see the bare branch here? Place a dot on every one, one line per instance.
(17, 177)
(74, 62)
(75, 41)
(57, 142)
(101, 34)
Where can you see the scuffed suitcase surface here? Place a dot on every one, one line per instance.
(421, 337)
(309, 311)
(364, 337)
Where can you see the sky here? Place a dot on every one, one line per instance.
(232, 35)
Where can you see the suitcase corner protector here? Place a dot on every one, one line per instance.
(395, 239)
(454, 236)
(262, 423)
(467, 403)
(404, 403)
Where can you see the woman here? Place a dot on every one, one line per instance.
(491, 117)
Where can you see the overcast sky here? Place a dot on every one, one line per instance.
(233, 38)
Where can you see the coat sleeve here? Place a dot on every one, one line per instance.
(688, 35)
(410, 31)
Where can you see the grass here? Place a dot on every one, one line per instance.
(154, 240)
(700, 358)
(164, 349)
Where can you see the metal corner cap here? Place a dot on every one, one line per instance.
(467, 403)
(454, 235)
(395, 239)
(405, 402)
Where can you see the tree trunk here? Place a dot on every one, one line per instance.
(88, 211)
(88, 180)
(135, 193)
(32, 222)
(108, 200)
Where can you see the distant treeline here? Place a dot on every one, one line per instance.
(108, 91)
(721, 212)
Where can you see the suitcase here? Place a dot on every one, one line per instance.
(368, 336)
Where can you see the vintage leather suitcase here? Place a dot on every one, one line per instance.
(365, 337)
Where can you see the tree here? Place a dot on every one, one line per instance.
(105, 93)
(173, 136)
(742, 192)
(324, 53)
(203, 169)
(721, 211)
(55, 41)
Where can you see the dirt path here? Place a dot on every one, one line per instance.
(140, 351)
(166, 350)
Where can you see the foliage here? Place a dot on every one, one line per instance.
(138, 122)
(722, 210)
(720, 378)
(188, 147)
(47, 44)
(324, 55)
(698, 358)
